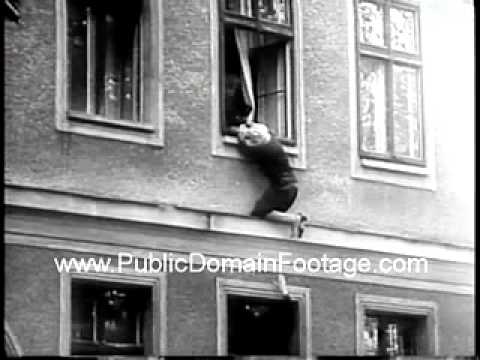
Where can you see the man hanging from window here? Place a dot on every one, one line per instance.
(259, 145)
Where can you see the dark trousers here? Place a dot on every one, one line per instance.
(274, 198)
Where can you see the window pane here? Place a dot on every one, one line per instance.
(372, 105)
(271, 88)
(118, 318)
(82, 317)
(370, 336)
(77, 55)
(394, 334)
(242, 7)
(117, 60)
(371, 20)
(274, 10)
(109, 318)
(402, 28)
(406, 118)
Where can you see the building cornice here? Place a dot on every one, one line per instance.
(223, 222)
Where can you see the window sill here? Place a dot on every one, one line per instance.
(228, 147)
(121, 130)
(410, 176)
(95, 119)
(396, 167)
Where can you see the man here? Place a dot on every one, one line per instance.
(258, 144)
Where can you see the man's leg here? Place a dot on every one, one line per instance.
(274, 204)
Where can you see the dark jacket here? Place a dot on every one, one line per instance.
(272, 160)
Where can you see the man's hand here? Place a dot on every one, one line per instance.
(234, 129)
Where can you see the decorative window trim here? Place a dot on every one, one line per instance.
(405, 175)
(364, 302)
(227, 287)
(159, 304)
(226, 145)
(151, 131)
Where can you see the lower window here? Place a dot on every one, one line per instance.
(389, 326)
(393, 334)
(259, 326)
(256, 318)
(110, 318)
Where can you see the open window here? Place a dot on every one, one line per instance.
(259, 326)
(257, 66)
(256, 318)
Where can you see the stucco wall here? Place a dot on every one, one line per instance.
(32, 308)
(185, 172)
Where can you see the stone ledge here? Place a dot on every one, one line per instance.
(237, 224)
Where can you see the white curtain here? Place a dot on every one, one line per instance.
(242, 40)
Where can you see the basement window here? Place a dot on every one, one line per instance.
(110, 318)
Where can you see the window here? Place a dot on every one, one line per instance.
(256, 62)
(258, 326)
(390, 334)
(110, 318)
(112, 314)
(257, 38)
(256, 319)
(390, 122)
(109, 67)
(104, 51)
(391, 326)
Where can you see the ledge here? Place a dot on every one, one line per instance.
(178, 216)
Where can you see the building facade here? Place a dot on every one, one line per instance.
(117, 145)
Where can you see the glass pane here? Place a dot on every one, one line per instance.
(274, 10)
(373, 127)
(82, 317)
(77, 56)
(271, 88)
(371, 19)
(402, 28)
(109, 319)
(406, 118)
(393, 335)
(118, 320)
(370, 336)
(117, 60)
(242, 7)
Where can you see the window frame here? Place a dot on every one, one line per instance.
(149, 129)
(254, 23)
(391, 58)
(266, 290)
(159, 302)
(399, 306)
(227, 145)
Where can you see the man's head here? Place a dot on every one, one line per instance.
(254, 134)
